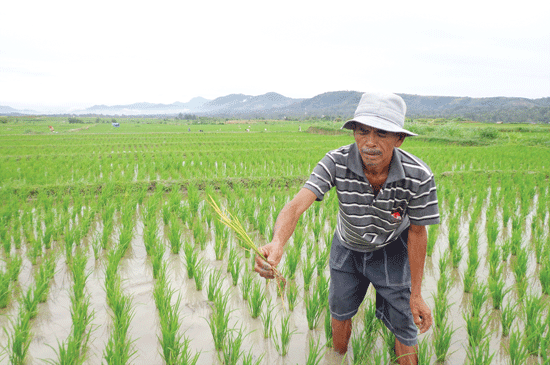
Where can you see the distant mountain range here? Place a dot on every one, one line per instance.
(331, 104)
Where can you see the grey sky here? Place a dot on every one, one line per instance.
(76, 54)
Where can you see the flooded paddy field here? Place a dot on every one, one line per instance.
(111, 253)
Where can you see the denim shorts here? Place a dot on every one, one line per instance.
(389, 272)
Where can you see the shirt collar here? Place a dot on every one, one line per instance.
(355, 164)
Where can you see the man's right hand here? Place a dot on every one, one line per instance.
(273, 252)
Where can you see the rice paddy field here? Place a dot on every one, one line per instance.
(111, 254)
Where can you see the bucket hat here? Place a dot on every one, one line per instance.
(384, 111)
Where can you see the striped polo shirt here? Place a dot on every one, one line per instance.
(367, 222)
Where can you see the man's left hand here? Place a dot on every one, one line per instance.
(422, 315)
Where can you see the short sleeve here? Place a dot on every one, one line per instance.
(321, 179)
(423, 208)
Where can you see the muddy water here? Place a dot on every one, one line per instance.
(53, 323)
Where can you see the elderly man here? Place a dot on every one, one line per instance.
(386, 198)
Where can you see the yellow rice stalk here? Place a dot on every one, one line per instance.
(245, 241)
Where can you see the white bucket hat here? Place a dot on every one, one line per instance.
(384, 111)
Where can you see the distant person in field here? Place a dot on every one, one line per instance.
(386, 198)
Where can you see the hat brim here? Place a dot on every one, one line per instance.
(377, 123)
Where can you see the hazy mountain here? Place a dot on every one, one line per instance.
(330, 104)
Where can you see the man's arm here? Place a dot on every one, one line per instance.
(417, 243)
(284, 227)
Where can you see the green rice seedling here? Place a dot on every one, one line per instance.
(47, 237)
(370, 322)
(469, 278)
(257, 297)
(199, 273)
(170, 339)
(442, 336)
(157, 256)
(266, 317)
(315, 351)
(282, 339)
(292, 258)
(539, 245)
(492, 231)
(481, 354)
(174, 236)
(191, 258)
(496, 288)
(517, 350)
(5, 292)
(248, 358)
(433, 233)
(119, 348)
(506, 249)
(379, 357)
(494, 260)
(535, 326)
(544, 277)
(14, 266)
(199, 234)
(313, 309)
(307, 272)
(479, 297)
(292, 294)
(424, 351)
(321, 288)
(166, 214)
(187, 357)
(328, 327)
(456, 255)
(30, 301)
(231, 258)
(43, 277)
(96, 247)
(231, 351)
(515, 241)
(476, 328)
(507, 316)
(299, 235)
(214, 284)
(520, 264)
(235, 269)
(219, 319)
(19, 338)
(246, 284)
(220, 243)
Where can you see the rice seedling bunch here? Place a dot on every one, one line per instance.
(256, 299)
(235, 267)
(244, 240)
(19, 338)
(442, 336)
(199, 273)
(292, 295)
(231, 351)
(433, 233)
(313, 309)
(507, 316)
(266, 317)
(424, 351)
(515, 241)
(299, 235)
(388, 338)
(308, 268)
(5, 292)
(544, 277)
(315, 351)
(476, 327)
(199, 234)
(248, 358)
(174, 236)
(517, 350)
(480, 354)
(191, 258)
(220, 242)
(281, 339)
(119, 348)
(535, 326)
(246, 284)
(157, 254)
(292, 258)
(166, 214)
(187, 357)
(219, 319)
(150, 238)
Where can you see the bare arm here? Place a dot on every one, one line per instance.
(417, 243)
(284, 227)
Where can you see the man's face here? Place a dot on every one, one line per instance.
(376, 145)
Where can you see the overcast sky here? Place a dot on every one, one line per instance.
(80, 53)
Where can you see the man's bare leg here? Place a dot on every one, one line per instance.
(406, 355)
(341, 332)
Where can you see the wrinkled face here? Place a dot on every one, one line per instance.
(376, 145)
